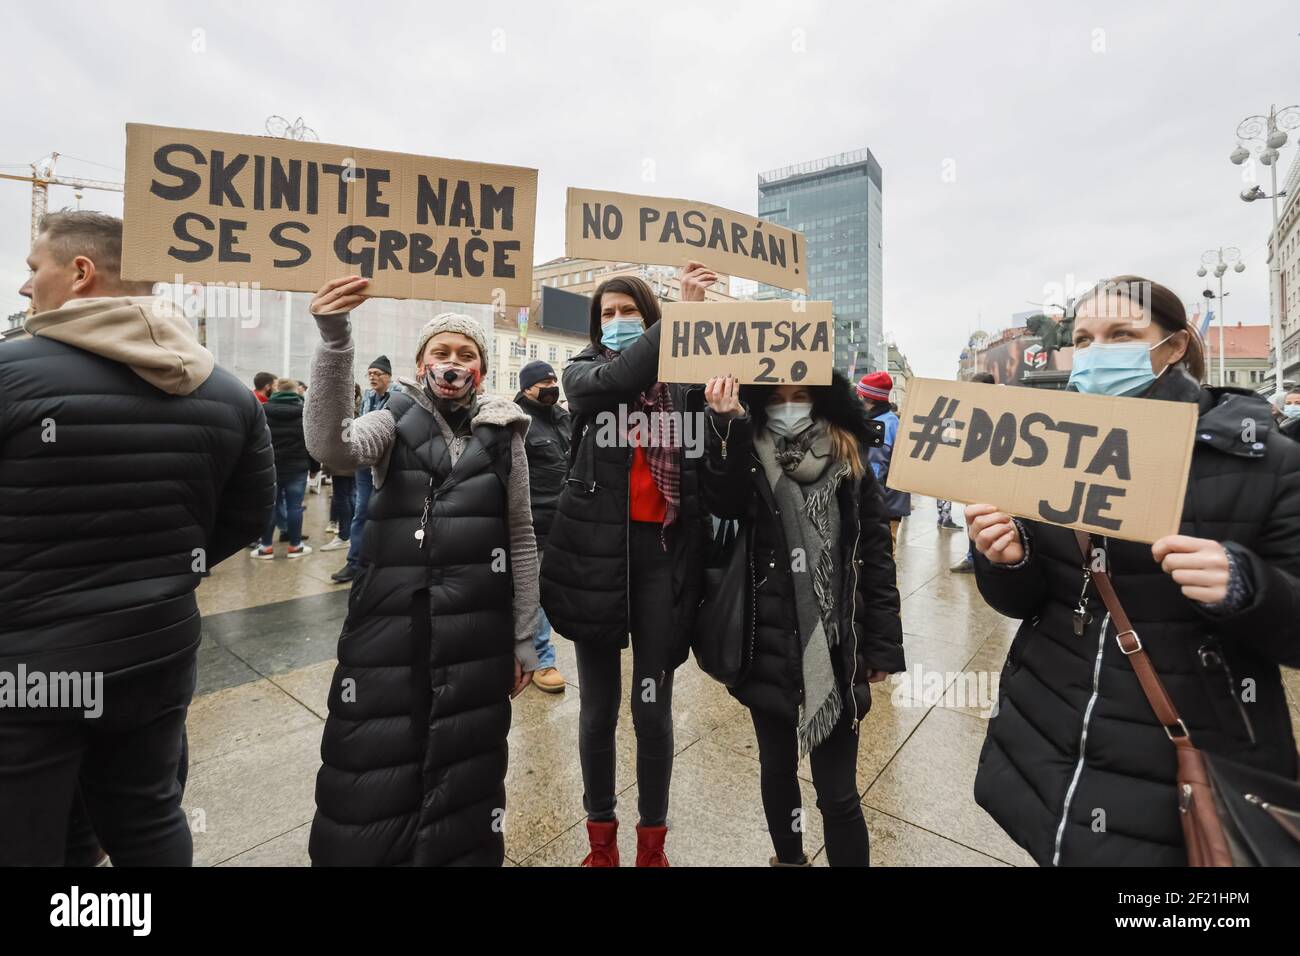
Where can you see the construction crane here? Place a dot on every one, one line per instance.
(43, 177)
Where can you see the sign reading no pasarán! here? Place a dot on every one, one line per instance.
(1113, 466)
(782, 342)
(219, 207)
(657, 231)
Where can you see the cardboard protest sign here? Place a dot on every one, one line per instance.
(767, 343)
(1113, 466)
(289, 215)
(623, 228)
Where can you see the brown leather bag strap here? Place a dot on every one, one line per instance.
(1131, 646)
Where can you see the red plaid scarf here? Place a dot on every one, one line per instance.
(663, 455)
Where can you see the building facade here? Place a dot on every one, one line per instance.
(1245, 356)
(900, 370)
(582, 276)
(836, 202)
(1286, 245)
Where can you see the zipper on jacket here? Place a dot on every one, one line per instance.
(1083, 741)
(853, 623)
(1212, 659)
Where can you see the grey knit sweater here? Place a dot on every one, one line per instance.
(338, 440)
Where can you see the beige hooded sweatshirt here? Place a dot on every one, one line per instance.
(150, 335)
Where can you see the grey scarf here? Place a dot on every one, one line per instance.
(804, 478)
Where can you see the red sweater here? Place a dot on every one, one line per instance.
(646, 501)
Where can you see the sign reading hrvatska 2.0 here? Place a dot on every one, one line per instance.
(289, 215)
(784, 341)
(650, 229)
(1113, 466)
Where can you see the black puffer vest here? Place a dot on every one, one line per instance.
(414, 749)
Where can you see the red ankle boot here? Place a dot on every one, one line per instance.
(650, 846)
(603, 837)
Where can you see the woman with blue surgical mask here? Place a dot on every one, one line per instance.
(1290, 418)
(624, 556)
(1217, 608)
(792, 464)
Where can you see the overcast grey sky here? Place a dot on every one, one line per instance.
(1087, 139)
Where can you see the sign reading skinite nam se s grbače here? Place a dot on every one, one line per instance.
(669, 232)
(220, 207)
(781, 342)
(1113, 466)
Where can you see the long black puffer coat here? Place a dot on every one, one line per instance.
(868, 605)
(585, 567)
(1075, 766)
(414, 749)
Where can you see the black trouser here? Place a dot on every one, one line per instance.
(834, 772)
(127, 761)
(599, 684)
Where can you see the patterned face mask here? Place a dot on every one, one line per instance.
(446, 380)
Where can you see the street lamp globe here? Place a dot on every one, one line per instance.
(1268, 157)
(1239, 155)
(1201, 272)
(1239, 267)
(1219, 270)
(1276, 139)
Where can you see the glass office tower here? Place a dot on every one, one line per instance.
(836, 203)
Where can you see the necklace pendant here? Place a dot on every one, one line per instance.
(419, 535)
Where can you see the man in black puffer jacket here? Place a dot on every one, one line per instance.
(131, 465)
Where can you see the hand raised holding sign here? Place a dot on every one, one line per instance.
(339, 295)
(696, 278)
(1198, 565)
(994, 533)
(721, 394)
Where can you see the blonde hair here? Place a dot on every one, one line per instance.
(285, 385)
(844, 447)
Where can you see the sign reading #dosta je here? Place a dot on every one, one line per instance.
(1113, 466)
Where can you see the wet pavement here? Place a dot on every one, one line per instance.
(270, 632)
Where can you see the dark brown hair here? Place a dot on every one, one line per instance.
(1162, 306)
(646, 301)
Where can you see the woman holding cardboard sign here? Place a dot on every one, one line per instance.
(792, 464)
(624, 552)
(440, 622)
(1076, 766)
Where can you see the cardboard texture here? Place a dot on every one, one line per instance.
(620, 227)
(1112, 466)
(221, 207)
(767, 343)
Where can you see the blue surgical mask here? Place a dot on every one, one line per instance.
(1116, 368)
(789, 418)
(1291, 411)
(618, 334)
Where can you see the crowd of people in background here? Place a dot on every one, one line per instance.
(475, 524)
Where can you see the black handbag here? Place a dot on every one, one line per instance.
(723, 634)
(1259, 812)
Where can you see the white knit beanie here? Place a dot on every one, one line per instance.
(454, 322)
